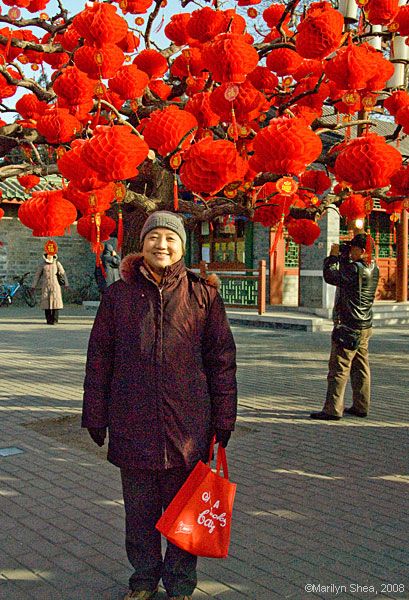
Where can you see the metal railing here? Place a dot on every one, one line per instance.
(245, 288)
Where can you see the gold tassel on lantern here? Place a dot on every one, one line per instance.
(175, 161)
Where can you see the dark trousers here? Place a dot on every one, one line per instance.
(51, 315)
(146, 494)
(343, 364)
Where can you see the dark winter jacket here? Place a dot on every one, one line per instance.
(161, 368)
(357, 283)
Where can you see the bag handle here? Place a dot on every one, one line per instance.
(221, 458)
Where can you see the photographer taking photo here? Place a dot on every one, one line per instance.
(351, 268)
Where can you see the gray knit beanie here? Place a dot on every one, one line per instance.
(166, 219)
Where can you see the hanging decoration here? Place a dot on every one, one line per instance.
(47, 213)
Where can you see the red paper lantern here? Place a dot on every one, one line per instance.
(199, 105)
(135, 7)
(74, 86)
(129, 82)
(58, 126)
(285, 147)
(19, 3)
(102, 62)
(263, 80)
(48, 214)
(383, 69)
(1, 213)
(74, 168)
(165, 129)
(206, 23)
(320, 32)
(402, 19)
(93, 201)
(160, 88)
(402, 118)
(115, 152)
(400, 182)
(381, 12)
(100, 24)
(317, 181)
(87, 228)
(36, 5)
(398, 100)
(210, 165)
(272, 15)
(309, 68)
(188, 63)
(30, 107)
(8, 51)
(229, 58)
(152, 62)
(248, 104)
(351, 68)
(69, 39)
(367, 162)
(392, 208)
(315, 100)
(7, 89)
(176, 29)
(28, 181)
(130, 43)
(271, 207)
(283, 61)
(303, 231)
(355, 206)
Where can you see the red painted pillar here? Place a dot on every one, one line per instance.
(402, 259)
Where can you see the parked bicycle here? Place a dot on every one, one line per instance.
(10, 291)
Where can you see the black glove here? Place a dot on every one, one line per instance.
(98, 434)
(222, 437)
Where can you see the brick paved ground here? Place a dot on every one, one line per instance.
(317, 503)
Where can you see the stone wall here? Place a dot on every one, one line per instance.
(21, 252)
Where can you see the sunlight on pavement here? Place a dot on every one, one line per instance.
(304, 474)
(24, 575)
(395, 478)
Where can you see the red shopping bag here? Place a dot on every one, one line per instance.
(198, 519)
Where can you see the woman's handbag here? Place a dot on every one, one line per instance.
(346, 337)
(198, 519)
(61, 279)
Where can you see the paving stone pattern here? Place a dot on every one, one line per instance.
(318, 504)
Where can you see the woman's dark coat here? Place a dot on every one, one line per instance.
(161, 368)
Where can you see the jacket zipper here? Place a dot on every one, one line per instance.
(161, 370)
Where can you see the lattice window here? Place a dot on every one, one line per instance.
(239, 292)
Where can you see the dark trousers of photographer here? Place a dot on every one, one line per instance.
(342, 364)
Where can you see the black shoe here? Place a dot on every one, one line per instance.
(355, 413)
(323, 416)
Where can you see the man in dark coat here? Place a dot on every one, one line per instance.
(356, 276)
(161, 376)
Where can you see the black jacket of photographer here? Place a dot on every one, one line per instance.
(356, 283)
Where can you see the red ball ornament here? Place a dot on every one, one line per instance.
(30, 107)
(176, 29)
(206, 23)
(135, 7)
(396, 101)
(317, 181)
(381, 12)
(248, 104)
(93, 201)
(74, 86)
(400, 182)
(402, 18)
(263, 80)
